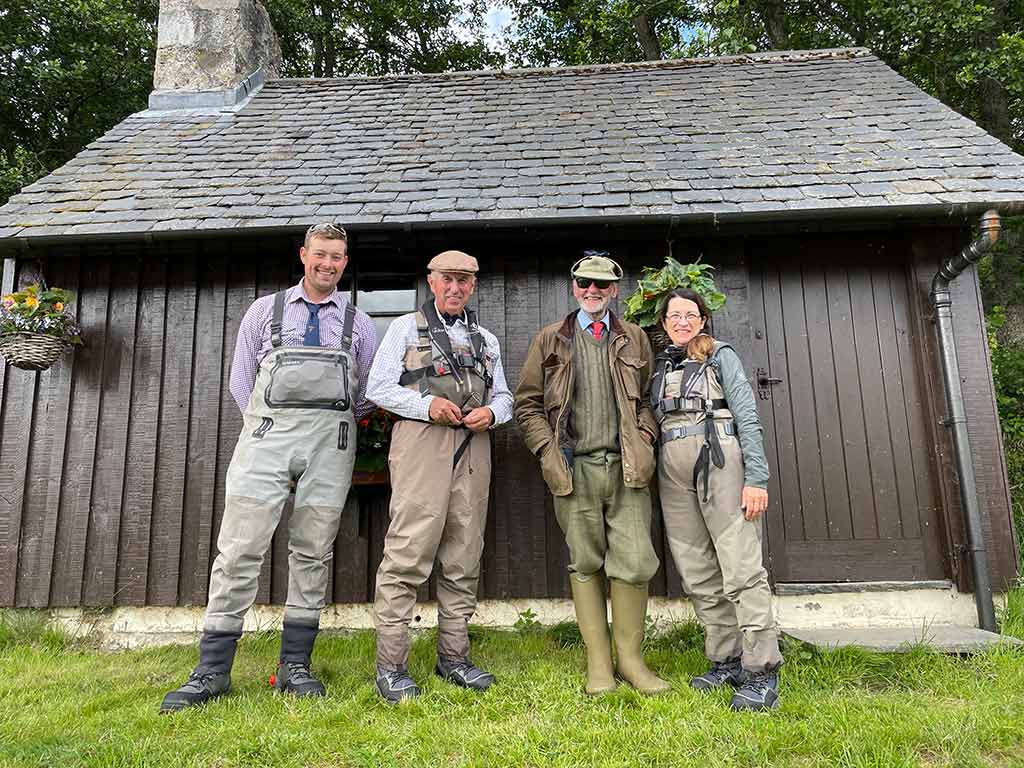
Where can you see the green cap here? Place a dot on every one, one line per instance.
(597, 266)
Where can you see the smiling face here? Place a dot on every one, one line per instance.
(451, 290)
(682, 320)
(593, 300)
(324, 260)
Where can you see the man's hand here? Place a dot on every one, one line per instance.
(754, 502)
(445, 412)
(479, 419)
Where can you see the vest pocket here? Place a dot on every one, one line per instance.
(309, 380)
(343, 436)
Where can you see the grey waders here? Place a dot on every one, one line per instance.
(299, 425)
(716, 549)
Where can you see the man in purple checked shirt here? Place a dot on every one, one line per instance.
(299, 376)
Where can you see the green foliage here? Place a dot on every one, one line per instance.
(1008, 376)
(34, 309)
(527, 621)
(373, 441)
(337, 38)
(644, 306)
(68, 72)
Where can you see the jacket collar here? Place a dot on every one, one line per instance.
(570, 325)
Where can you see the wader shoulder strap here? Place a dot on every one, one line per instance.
(277, 319)
(346, 328)
(476, 338)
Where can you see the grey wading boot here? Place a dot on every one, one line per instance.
(728, 672)
(592, 618)
(395, 685)
(629, 612)
(293, 675)
(212, 678)
(463, 673)
(759, 691)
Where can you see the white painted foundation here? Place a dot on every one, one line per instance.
(895, 607)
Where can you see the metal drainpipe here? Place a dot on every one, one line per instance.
(957, 421)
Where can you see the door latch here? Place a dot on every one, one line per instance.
(764, 381)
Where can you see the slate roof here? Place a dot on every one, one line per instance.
(769, 136)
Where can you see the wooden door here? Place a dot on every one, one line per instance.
(853, 494)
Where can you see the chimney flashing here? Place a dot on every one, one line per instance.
(213, 99)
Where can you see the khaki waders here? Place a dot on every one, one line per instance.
(716, 550)
(436, 511)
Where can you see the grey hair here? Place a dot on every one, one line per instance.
(327, 230)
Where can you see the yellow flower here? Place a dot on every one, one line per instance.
(31, 302)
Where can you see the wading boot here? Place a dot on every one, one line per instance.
(728, 672)
(395, 685)
(464, 673)
(629, 611)
(592, 617)
(293, 675)
(759, 691)
(212, 678)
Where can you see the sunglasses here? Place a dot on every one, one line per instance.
(586, 282)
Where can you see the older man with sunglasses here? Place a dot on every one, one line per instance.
(582, 410)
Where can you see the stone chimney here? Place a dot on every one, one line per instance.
(208, 51)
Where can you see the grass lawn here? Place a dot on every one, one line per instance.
(65, 704)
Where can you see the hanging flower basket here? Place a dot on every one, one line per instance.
(31, 351)
(36, 327)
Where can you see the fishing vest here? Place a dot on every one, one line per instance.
(435, 366)
(688, 401)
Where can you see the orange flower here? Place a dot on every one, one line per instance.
(31, 302)
(58, 307)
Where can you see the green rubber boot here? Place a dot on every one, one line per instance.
(629, 611)
(592, 616)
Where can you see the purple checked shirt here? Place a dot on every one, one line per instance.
(254, 340)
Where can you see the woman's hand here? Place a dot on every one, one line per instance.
(753, 501)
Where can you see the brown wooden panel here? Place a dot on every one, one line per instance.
(112, 437)
(204, 419)
(172, 430)
(350, 581)
(875, 414)
(853, 560)
(820, 335)
(17, 390)
(76, 498)
(140, 471)
(850, 404)
(46, 472)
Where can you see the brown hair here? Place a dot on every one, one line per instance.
(702, 345)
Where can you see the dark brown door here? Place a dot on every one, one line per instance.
(853, 495)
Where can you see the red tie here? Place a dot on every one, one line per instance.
(597, 328)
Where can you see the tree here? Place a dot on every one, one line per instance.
(68, 72)
(336, 38)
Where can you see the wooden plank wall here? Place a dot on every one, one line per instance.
(113, 460)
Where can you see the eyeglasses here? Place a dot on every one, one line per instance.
(690, 317)
(586, 282)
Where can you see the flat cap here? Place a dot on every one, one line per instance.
(597, 266)
(454, 261)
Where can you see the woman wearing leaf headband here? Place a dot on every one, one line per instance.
(713, 481)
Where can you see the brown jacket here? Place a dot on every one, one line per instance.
(543, 401)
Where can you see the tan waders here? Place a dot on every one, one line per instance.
(436, 511)
(607, 527)
(299, 425)
(717, 551)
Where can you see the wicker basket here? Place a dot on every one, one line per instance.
(31, 351)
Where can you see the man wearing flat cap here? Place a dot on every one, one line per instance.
(582, 410)
(441, 373)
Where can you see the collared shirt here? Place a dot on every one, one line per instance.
(389, 364)
(586, 321)
(254, 339)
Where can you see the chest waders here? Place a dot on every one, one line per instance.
(440, 480)
(716, 550)
(299, 426)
